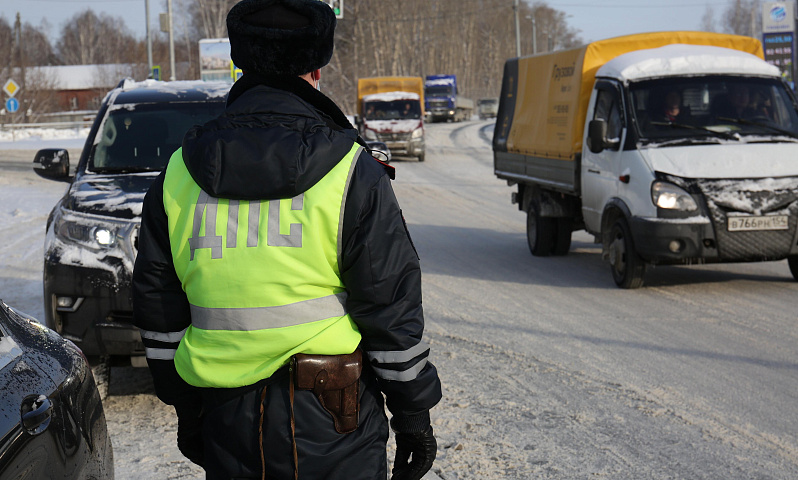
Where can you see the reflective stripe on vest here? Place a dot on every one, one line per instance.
(261, 277)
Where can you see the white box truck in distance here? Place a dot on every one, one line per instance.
(670, 148)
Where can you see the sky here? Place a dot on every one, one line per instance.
(596, 19)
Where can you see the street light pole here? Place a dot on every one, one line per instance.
(171, 43)
(534, 36)
(149, 36)
(517, 30)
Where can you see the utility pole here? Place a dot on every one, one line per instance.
(171, 42)
(149, 37)
(534, 36)
(21, 65)
(517, 30)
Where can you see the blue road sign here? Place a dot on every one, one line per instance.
(12, 105)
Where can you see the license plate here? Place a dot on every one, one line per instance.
(769, 222)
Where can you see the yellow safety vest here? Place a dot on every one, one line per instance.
(262, 277)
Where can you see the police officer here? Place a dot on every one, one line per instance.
(276, 287)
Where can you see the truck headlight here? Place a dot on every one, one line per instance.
(669, 196)
(417, 133)
(370, 134)
(86, 230)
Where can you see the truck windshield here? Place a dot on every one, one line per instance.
(142, 137)
(393, 110)
(672, 108)
(438, 90)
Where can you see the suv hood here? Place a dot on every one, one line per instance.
(270, 143)
(114, 195)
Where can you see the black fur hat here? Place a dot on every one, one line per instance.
(281, 37)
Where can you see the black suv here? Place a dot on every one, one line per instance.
(52, 422)
(92, 232)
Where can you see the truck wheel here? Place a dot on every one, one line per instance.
(628, 268)
(540, 233)
(421, 157)
(793, 262)
(562, 243)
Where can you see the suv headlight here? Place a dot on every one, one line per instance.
(670, 197)
(369, 134)
(89, 231)
(417, 133)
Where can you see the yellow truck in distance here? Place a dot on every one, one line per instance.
(668, 147)
(391, 110)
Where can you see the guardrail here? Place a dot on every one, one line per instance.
(15, 127)
(63, 125)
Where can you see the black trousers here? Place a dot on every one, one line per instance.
(233, 434)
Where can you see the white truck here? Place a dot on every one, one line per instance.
(669, 148)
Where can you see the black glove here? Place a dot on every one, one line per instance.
(422, 446)
(189, 434)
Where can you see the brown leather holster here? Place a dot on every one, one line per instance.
(334, 379)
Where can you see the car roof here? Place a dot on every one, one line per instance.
(152, 91)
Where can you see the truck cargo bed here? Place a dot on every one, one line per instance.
(561, 175)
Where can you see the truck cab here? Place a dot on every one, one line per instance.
(690, 164)
(443, 101)
(667, 147)
(391, 111)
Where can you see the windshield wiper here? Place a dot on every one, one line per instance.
(726, 135)
(742, 121)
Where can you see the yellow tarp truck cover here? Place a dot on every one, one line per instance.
(553, 90)
(370, 86)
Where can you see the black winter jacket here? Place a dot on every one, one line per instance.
(276, 139)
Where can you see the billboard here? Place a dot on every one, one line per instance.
(778, 17)
(215, 62)
(778, 36)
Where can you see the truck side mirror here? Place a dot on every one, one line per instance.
(596, 135)
(52, 164)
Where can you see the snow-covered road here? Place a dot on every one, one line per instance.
(549, 370)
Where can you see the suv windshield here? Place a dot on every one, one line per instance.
(439, 90)
(672, 108)
(142, 137)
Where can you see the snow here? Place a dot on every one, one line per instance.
(113, 198)
(42, 138)
(216, 89)
(439, 81)
(681, 60)
(391, 96)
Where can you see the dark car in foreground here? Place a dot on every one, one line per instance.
(92, 231)
(52, 423)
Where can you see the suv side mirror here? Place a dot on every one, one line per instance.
(52, 164)
(596, 135)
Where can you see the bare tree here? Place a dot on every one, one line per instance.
(91, 39)
(36, 46)
(39, 97)
(208, 18)
(7, 43)
(742, 17)
(468, 38)
(708, 23)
